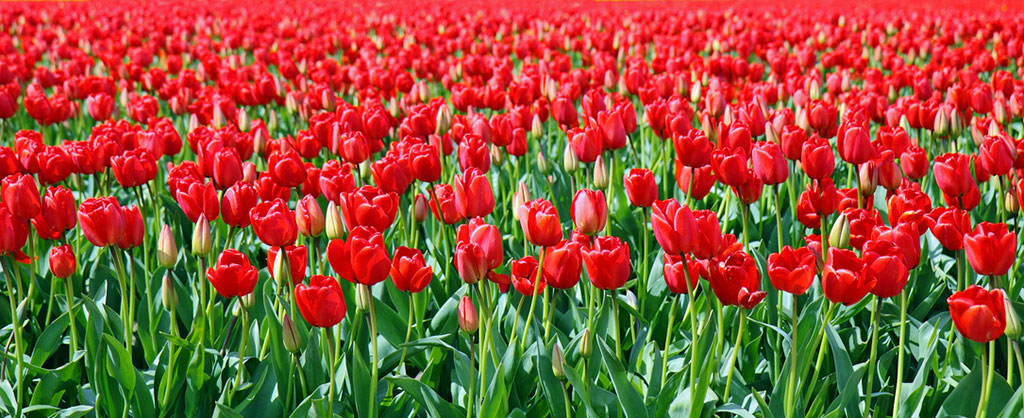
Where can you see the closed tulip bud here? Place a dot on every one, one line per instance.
(308, 217)
(600, 174)
(839, 236)
(444, 120)
(271, 127)
(290, 334)
(695, 94)
(363, 297)
(193, 123)
(941, 126)
(166, 249)
(999, 111)
(956, 126)
(468, 320)
(868, 178)
(1013, 326)
(536, 127)
(259, 142)
(1012, 205)
(291, 104)
(282, 271)
(558, 361)
(248, 300)
(327, 100)
(521, 196)
(202, 240)
(543, 164)
(218, 117)
(497, 155)
(168, 295)
(364, 170)
(333, 225)
(569, 161)
(586, 344)
(243, 120)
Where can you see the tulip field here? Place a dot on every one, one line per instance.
(448, 208)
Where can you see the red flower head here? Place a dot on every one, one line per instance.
(238, 201)
(134, 228)
(540, 223)
(949, 225)
(770, 164)
(487, 236)
(409, 272)
(589, 211)
(286, 168)
(473, 194)
(524, 276)
(133, 168)
(233, 275)
(369, 206)
(321, 303)
(883, 264)
(102, 220)
(735, 280)
(676, 270)
(198, 198)
(792, 270)
(62, 261)
(444, 196)
(674, 226)
(607, 262)
(563, 264)
(640, 186)
(21, 196)
(296, 261)
(979, 314)
(227, 167)
(953, 174)
(391, 174)
(368, 256)
(991, 248)
(843, 280)
(816, 158)
(273, 223)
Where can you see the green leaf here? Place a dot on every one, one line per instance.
(426, 396)
(629, 398)
(119, 363)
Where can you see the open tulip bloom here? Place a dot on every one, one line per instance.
(539, 209)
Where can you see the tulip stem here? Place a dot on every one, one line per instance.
(668, 337)
(822, 346)
(19, 349)
(614, 294)
(69, 287)
(551, 313)
(243, 337)
(899, 361)
(482, 330)
(515, 321)
(987, 362)
(533, 304)
(469, 396)
(644, 259)
(125, 298)
(332, 347)
(873, 357)
(744, 214)
(735, 353)
(373, 345)
(791, 383)
(408, 331)
(693, 337)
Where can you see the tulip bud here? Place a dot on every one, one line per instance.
(497, 155)
(202, 240)
(557, 361)
(941, 122)
(364, 170)
(468, 321)
(291, 104)
(542, 163)
(363, 297)
(248, 300)
(327, 100)
(193, 123)
(868, 178)
(999, 111)
(586, 344)
(771, 133)
(521, 196)
(569, 161)
(536, 127)
(248, 172)
(243, 120)
(290, 334)
(271, 125)
(1013, 326)
(956, 127)
(600, 173)
(1011, 203)
(419, 208)
(282, 269)
(444, 120)
(839, 236)
(218, 117)
(259, 143)
(168, 294)
(166, 249)
(333, 224)
(309, 218)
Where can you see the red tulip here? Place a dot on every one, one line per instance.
(540, 223)
(735, 280)
(589, 211)
(425, 162)
(469, 322)
(100, 106)
(979, 314)
(227, 167)
(238, 201)
(308, 216)
(474, 153)
(563, 264)
(445, 196)
(134, 230)
(997, 155)
(640, 186)
(770, 164)
(914, 162)
(62, 261)
(55, 165)
(692, 148)
(730, 166)
(883, 264)
(21, 196)
(750, 191)
(13, 233)
(487, 236)
(102, 220)
(586, 143)
(473, 194)
(369, 257)
(196, 199)
(409, 272)
(607, 262)
(843, 280)
(391, 174)
(953, 174)
(991, 248)
(854, 145)
(335, 179)
(233, 275)
(701, 180)
(792, 270)
(676, 270)
(816, 158)
(820, 198)
(133, 168)
(708, 241)
(949, 225)
(296, 262)
(524, 276)
(905, 237)
(470, 262)
(57, 214)
(273, 223)
(369, 206)
(674, 226)
(321, 303)
(286, 168)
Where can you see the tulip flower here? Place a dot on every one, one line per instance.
(486, 236)
(607, 262)
(678, 272)
(133, 168)
(286, 168)
(238, 201)
(949, 225)
(675, 227)
(232, 275)
(473, 194)
(469, 322)
(735, 280)
(540, 223)
(524, 275)
(370, 207)
(563, 264)
(62, 261)
(641, 189)
(321, 303)
(883, 264)
(979, 314)
(102, 220)
(135, 228)
(409, 271)
(21, 196)
(198, 199)
(589, 211)
(273, 223)
(952, 174)
(308, 217)
(843, 280)
(770, 166)
(792, 270)
(991, 248)
(296, 262)
(816, 158)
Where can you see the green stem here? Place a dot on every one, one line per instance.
(791, 383)
(482, 330)
(668, 338)
(125, 297)
(515, 321)
(615, 315)
(19, 350)
(644, 259)
(735, 353)
(373, 346)
(244, 336)
(551, 313)
(332, 348)
(899, 367)
(822, 346)
(990, 360)
(529, 317)
(873, 357)
(408, 331)
(69, 293)
(469, 396)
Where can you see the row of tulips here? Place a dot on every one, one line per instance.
(447, 210)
